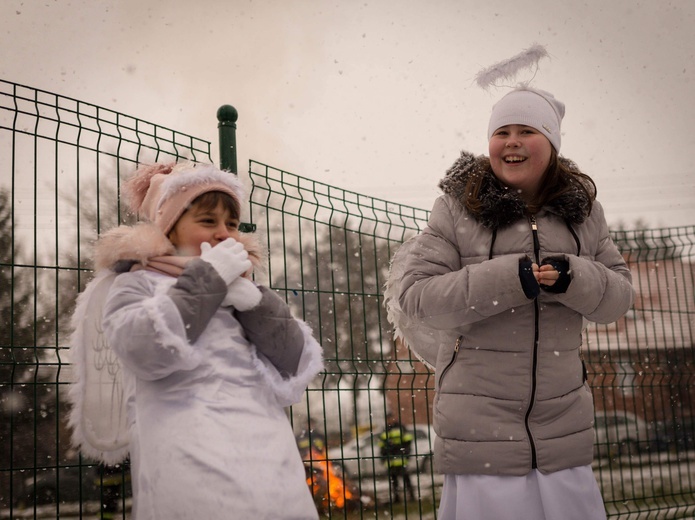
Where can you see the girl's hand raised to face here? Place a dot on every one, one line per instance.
(229, 258)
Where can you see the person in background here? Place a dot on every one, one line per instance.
(208, 359)
(515, 256)
(395, 443)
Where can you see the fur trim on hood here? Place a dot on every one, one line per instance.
(503, 206)
(120, 248)
(133, 244)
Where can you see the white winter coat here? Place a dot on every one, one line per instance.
(209, 437)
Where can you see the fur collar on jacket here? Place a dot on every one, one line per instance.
(503, 206)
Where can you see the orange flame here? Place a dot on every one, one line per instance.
(334, 489)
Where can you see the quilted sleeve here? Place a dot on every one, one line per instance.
(438, 289)
(272, 328)
(145, 329)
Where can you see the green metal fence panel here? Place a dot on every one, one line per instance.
(328, 255)
(642, 371)
(61, 162)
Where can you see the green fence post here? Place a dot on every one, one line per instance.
(226, 125)
(226, 117)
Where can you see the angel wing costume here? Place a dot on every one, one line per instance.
(423, 340)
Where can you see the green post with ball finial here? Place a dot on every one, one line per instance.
(227, 116)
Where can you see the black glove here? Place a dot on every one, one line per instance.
(528, 281)
(562, 266)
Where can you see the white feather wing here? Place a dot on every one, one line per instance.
(422, 340)
(98, 414)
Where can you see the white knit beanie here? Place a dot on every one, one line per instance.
(531, 107)
(161, 193)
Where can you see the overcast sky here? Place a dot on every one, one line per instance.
(377, 96)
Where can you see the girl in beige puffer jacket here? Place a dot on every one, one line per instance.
(493, 294)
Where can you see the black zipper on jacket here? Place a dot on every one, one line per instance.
(453, 359)
(536, 253)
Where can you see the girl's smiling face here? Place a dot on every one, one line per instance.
(199, 224)
(519, 157)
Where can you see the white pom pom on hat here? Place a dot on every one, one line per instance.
(161, 193)
(531, 107)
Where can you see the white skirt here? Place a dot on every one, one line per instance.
(570, 494)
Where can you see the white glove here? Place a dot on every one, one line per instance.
(242, 294)
(229, 258)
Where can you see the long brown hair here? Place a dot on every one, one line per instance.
(562, 176)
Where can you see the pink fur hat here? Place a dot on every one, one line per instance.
(161, 193)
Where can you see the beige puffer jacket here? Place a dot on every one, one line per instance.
(511, 395)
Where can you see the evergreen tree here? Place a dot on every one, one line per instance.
(27, 395)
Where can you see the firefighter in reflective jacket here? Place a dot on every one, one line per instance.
(395, 443)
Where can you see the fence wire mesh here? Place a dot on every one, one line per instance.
(328, 255)
(329, 252)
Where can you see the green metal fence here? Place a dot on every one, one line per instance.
(61, 162)
(329, 252)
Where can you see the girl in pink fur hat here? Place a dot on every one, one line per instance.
(184, 363)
